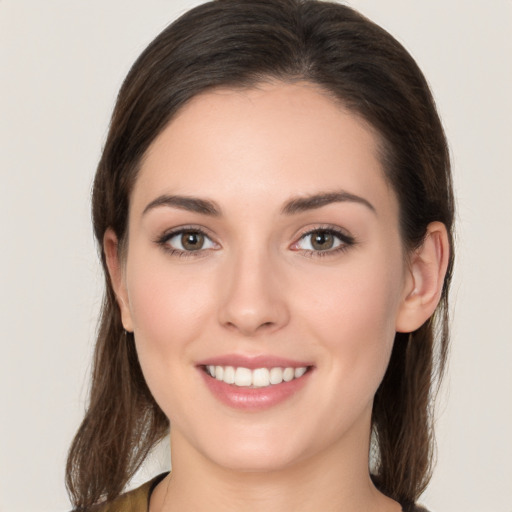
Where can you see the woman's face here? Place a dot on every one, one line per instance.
(264, 246)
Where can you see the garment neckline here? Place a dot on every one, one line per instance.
(153, 485)
(161, 476)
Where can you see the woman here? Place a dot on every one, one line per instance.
(274, 208)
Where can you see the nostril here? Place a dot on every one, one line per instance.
(252, 313)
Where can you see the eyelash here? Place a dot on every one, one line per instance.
(168, 235)
(346, 241)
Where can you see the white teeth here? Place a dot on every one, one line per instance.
(299, 372)
(229, 375)
(243, 377)
(276, 376)
(288, 374)
(258, 378)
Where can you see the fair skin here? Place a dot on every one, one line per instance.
(253, 270)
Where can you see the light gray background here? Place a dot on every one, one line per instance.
(61, 64)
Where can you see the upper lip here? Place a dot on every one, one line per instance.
(253, 362)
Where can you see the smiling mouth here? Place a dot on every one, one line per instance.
(257, 378)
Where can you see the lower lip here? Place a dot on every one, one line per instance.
(254, 399)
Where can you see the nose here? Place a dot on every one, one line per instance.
(253, 295)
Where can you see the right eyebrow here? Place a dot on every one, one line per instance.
(191, 204)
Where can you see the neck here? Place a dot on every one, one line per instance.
(326, 481)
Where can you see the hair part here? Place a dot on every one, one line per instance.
(233, 44)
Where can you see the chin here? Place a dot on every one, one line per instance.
(256, 450)
(255, 461)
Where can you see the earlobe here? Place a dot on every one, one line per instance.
(115, 269)
(427, 270)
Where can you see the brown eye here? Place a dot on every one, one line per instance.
(187, 241)
(192, 241)
(322, 240)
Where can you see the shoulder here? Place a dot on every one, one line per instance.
(136, 500)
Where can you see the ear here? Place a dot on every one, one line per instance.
(115, 269)
(425, 279)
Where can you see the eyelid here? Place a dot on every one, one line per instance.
(346, 240)
(167, 235)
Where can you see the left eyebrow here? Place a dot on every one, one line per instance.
(301, 204)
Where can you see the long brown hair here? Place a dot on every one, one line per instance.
(238, 43)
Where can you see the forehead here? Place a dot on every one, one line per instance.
(261, 144)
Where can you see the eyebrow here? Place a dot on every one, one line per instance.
(302, 204)
(294, 206)
(191, 204)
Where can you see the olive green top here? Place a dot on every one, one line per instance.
(138, 499)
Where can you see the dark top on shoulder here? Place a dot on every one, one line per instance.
(137, 500)
(414, 508)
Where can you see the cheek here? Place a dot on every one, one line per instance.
(353, 322)
(165, 303)
(168, 309)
